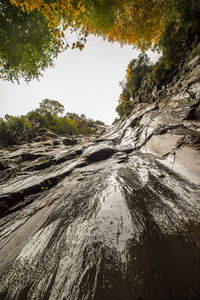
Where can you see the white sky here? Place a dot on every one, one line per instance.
(84, 82)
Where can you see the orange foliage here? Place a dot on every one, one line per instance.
(136, 22)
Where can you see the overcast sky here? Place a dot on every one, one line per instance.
(84, 82)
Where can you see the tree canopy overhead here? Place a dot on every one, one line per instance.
(137, 22)
(145, 24)
(27, 45)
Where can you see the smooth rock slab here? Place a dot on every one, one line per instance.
(123, 232)
(116, 223)
(162, 144)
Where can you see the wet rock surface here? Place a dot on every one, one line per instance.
(117, 217)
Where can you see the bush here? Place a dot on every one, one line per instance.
(124, 108)
(14, 130)
(136, 72)
(65, 126)
(158, 74)
(115, 121)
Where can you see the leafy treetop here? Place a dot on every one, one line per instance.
(137, 22)
(34, 31)
(52, 107)
(27, 45)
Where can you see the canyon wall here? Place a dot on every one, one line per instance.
(116, 217)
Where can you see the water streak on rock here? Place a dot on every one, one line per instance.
(115, 218)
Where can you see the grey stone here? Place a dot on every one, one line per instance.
(113, 218)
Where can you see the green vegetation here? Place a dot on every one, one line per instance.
(27, 45)
(180, 40)
(141, 23)
(33, 32)
(135, 74)
(14, 130)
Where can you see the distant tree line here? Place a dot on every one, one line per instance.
(14, 130)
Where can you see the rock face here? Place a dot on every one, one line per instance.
(115, 218)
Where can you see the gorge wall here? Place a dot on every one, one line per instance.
(117, 217)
